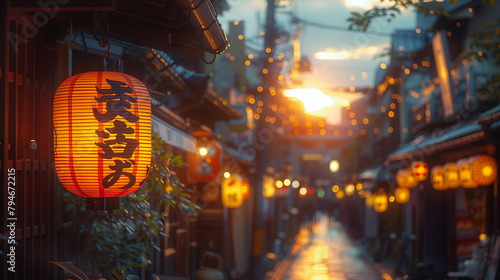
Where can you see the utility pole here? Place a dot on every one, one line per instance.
(264, 136)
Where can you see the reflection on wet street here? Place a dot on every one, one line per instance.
(327, 253)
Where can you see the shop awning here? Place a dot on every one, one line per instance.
(490, 116)
(240, 156)
(454, 136)
(166, 70)
(185, 27)
(375, 174)
(370, 173)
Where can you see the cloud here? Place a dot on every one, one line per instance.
(365, 52)
(366, 4)
(363, 4)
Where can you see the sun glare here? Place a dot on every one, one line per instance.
(336, 55)
(363, 52)
(313, 99)
(364, 4)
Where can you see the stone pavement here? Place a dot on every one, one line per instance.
(324, 252)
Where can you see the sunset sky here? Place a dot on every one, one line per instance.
(339, 59)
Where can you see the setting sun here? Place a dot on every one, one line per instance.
(313, 99)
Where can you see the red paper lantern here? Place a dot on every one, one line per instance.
(405, 179)
(465, 174)
(102, 124)
(402, 195)
(380, 201)
(451, 175)
(419, 170)
(205, 165)
(438, 179)
(245, 188)
(484, 169)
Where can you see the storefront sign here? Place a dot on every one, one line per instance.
(173, 136)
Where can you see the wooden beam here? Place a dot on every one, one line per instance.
(60, 5)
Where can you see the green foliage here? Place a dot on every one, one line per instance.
(125, 236)
(117, 272)
(484, 45)
(361, 22)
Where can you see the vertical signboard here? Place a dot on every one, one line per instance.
(442, 58)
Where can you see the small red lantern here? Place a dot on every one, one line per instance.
(465, 174)
(405, 179)
(380, 201)
(245, 188)
(402, 195)
(102, 123)
(205, 165)
(451, 175)
(438, 178)
(419, 170)
(484, 169)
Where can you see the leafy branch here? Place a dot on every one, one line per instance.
(125, 236)
(361, 21)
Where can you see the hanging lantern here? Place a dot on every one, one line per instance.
(402, 195)
(102, 123)
(334, 166)
(438, 179)
(205, 165)
(350, 189)
(420, 170)
(303, 192)
(339, 194)
(451, 175)
(369, 200)
(245, 188)
(465, 174)
(405, 178)
(484, 169)
(380, 201)
(232, 197)
(269, 187)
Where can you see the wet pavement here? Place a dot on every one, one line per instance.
(324, 251)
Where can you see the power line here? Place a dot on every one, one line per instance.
(295, 19)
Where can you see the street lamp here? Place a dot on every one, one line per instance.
(334, 166)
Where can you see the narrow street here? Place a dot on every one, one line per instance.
(326, 253)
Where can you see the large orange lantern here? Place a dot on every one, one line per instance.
(465, 174)
(402, 195)
(484, 169)
(205, 165)
(419, 170)
(451, 175)
(102, 123)
(380, 201)
(438, 179)
(232, 197)
(405, 179)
